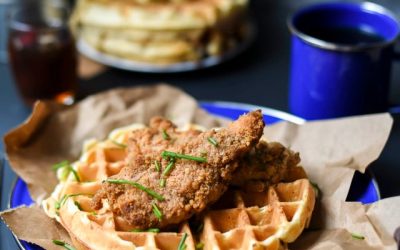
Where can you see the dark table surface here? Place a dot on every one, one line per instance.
(258, 76)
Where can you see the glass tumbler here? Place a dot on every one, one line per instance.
(42, 51)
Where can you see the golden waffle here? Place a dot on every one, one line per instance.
(238, 221)
(260, 220)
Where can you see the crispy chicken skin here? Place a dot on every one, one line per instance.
(266, 164)
(190, 186)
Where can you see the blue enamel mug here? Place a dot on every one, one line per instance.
(341, 59)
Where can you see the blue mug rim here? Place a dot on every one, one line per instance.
(368, 6)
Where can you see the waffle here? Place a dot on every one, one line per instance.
(266, 220)
(239, 220)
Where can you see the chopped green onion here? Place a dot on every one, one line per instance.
(162, 182)
(63, 244)
(200, 228)
(182, 156)
(169, 167)
(138, 186)
(150, 230)
(67, 165)
(316, 189)
(60, 165)
(75, 174)
(78, 205)
(121, 145)
(212, 141)
(58, 203)
(65, 197)
(157, 165)
(157, 211)
(182, 245)
(165, 135)
(357, 236)
(93, 213)
(200, 246)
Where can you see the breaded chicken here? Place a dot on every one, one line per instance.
(265, 165)
(183, 187)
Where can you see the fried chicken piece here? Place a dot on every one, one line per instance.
(267, 164)
(190, 186)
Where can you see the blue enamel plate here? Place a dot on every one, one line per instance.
(364, 187)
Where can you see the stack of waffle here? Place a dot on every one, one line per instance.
(161, 31)
(239, 220)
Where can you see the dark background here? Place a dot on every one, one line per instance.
(258, 76)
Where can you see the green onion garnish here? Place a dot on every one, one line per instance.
(60, 165)
(150, 230)
(75, 174)
(66, 164)
(78, 205)
(169, 167)
(138, 186)
(200, 246)
(200, 228)
(61, 201)
(182, 245)
(65, 197)
(157, 165)
(165, 135)
(121, 145)
(357, 236)
(212, 141)
(182, 156)
(63, 244)
(157, 211)
(162, 182)
(316, 189)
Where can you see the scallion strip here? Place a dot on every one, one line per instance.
(165, 135)
(212, 141)
(357, 236)
(162, 182)
(121, 145)
(61, 201)
(157, 165)
(138, 186)
(63, 244)
(78, 205)
(60, 165)
(183, 156)
(150, 230)
(75, 174)
(66, 164)
(157, 211)
(200, 246)
(169, 167)
(316, 189)
(182, 245)
(65, 197)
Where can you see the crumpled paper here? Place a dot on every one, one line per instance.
(331, 151)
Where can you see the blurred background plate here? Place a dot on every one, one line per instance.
(116, 62)
(364, 187)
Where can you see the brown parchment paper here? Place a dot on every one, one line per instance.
(331, 151)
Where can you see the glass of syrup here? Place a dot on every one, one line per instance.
(42, 51)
